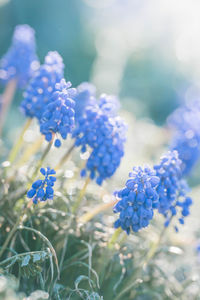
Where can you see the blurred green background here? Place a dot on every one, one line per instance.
(125, 47)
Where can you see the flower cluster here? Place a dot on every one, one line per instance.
(58, 116)
(172, 189)
(42, 86)
(137, 200)
(105, 136)
(85, 96)
(185, 122)
(43, 189)
(109, 104)
(20, 61)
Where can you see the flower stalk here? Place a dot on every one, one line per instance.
(154, 248)
(30, 151)
(39, 164)
(80, 196)
(64, 158)
(100, 208)
(114, 238)
(7, 98)
(16, 148)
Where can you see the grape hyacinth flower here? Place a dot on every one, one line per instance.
(188, 146)
(42, 86)
(20, 61)
(85, 96)
(105, 136)
(42, 190)
(58, 116)
(185, 123)
(172, 189)
(109, 104)
(138, 199)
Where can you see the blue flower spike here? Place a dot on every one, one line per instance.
(137, 200)
(58, 117)
(172, 189)
(42, 86)
(86, 95)
(42, 189)
(185, 123)
(20, 61)
(104, 133)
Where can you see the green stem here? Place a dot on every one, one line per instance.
(114, 238)
(7, 98)
(126, 290)
(154, 248)
(18, 144)
(30, 151)
(95, 211)
(14, 229)
(65, 244)
(81, 194)
(39, 164)
(64, 158)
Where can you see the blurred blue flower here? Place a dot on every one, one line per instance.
(185, 123)
(109, 104)
(42, 86)
(43, 189)
(58, 116)
(20, 61)
(86, 93)
(105, 135)
(198, 248)
(137, 200)
(188, 147)
(172, 189)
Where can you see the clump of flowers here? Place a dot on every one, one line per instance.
(185, 122)
(105, 136)
(58, 116)
(85, 96)
(137, 200)
(42, 86)
(20, 61)
(172, 189)
(42, 189)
